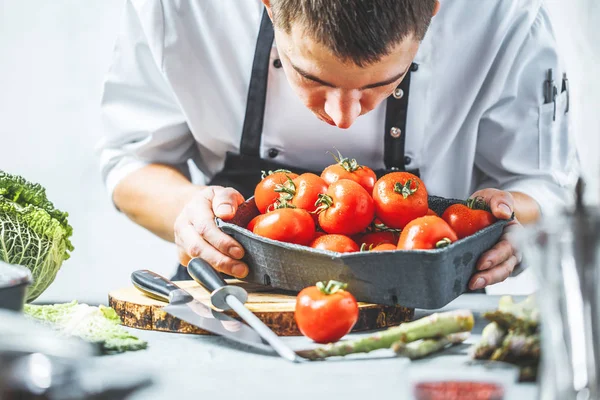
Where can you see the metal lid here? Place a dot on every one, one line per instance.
(14, 275)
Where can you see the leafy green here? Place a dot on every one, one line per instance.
(99, 325)
(32, 232)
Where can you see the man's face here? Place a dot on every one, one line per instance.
(339, 92)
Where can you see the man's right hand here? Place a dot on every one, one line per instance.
(197, 235)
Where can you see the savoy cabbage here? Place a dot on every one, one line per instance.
(32, 232)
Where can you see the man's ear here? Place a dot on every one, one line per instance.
(436, 8)
(267, 4)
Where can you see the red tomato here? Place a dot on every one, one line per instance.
(264, 193)
(333, 242)
(291, 225)
(385, 247)
(252, 222)
(347, 168)
(373, 239)
(426, 233)
(346, 208)
(326, 313)
(468, 219)
(399, 198)
(302, 192)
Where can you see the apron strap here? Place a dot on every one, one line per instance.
(257, 91)
(395, 126)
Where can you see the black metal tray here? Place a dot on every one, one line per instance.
(427, 279)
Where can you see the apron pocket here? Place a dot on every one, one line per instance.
(555, 142)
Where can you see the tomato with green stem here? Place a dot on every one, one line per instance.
(265, 195)
(346, 208)
(349, 168)
(426, 233)
(399, 198)
(301, 192)
(326, 312)
(466, 219)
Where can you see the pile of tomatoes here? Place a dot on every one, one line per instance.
(347, 209)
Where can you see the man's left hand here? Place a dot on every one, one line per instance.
(496, 264)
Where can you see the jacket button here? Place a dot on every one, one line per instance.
(407, 160)
(398, 93)
(414, 67)
(273, 153)
(277, 63)
(395, 132)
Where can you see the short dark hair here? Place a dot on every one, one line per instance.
(359, 30)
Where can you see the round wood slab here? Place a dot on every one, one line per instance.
(275, 309)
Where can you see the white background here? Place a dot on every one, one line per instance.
(53, 55)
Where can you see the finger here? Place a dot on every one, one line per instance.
(184, 258)
(501, 252)
(195, 246)
(494, 275)
(225, 202)
(201, 217)
(501, 203)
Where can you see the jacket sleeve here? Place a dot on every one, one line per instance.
(142, 121)
(523, 144)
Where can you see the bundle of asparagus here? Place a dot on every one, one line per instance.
(414, 339)
(512, 336)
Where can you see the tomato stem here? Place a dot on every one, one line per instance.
(478, 203)
(405, 189)
(383, 228)
(287, 190)
(443, 243)
(264, 174)
(366, 247)
(331, 287)
(349, 164)
(323, 203)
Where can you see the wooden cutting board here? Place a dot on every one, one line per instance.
(275, 309)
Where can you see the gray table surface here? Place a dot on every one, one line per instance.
(207, 367)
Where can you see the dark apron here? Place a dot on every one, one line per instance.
(243, 171)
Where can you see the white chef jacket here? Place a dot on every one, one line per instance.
(176, 94)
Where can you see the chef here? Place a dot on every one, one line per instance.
(454, 91)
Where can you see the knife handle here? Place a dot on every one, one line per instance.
(159, 287)
(209, 278)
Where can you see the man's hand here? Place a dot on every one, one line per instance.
(197, 235)
(496, 264)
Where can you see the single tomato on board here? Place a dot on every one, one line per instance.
(467, 219)
(426, 233)
(326, 312)
(349, 168)
(399, 198)
(264, 193)
(290, 225)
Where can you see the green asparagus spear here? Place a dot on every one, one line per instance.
(424, 347)
(523, 316)
(432, 326)
(517, 346)
(491, 339)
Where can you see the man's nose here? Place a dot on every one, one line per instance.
(343, 107)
